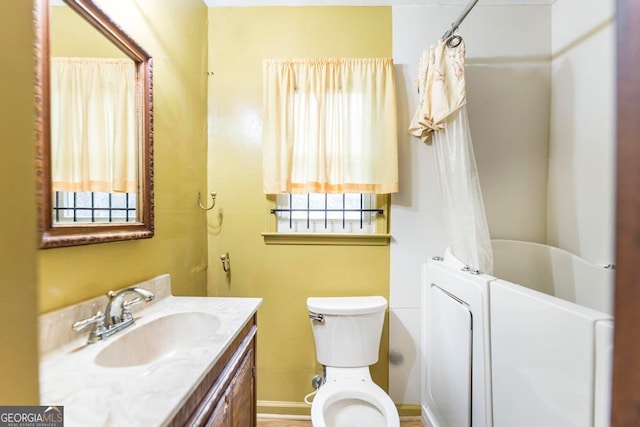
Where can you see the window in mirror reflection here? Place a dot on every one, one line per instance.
(93, 129)
(93, 207)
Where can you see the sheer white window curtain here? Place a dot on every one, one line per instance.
(329, 126)
(93, 128)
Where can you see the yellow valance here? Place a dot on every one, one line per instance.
(94, 136)
(329, 126)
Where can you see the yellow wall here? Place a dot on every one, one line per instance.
(174, 32)
(18, 307)
(239, 38)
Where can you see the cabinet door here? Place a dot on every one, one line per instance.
(241, 395)
(220, 416)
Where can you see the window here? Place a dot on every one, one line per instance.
(329, 149)
(93, 207)
(326, 213)
(328, 219)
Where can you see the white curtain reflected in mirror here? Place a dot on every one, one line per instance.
(93, 125)
(93, 140)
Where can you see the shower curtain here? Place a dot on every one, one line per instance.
(442, 119)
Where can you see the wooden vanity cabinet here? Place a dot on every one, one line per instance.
(226, 397)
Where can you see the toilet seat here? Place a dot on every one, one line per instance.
(353, 402)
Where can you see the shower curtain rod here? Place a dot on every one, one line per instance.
(457, 22)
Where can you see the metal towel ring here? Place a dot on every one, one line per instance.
(213, 197)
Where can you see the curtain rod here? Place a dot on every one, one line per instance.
(457, 22)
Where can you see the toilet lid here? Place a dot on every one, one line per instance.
(346, 305)
(353, 402)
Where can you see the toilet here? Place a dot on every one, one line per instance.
(347, 333)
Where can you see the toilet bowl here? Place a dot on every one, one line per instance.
(352, 399)
(347, 332)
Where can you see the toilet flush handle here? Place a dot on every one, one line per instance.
(316, 316)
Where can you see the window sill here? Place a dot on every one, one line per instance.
(326, 239)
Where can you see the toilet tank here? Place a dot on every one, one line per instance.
(349, 333)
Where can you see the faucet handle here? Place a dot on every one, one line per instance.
(126, 305)
(97, 318)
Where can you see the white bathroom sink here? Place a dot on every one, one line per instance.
(159, 339)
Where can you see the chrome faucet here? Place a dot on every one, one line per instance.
(117, 310)
(117, 315)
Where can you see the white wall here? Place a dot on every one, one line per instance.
(508, 80)
(580, 215)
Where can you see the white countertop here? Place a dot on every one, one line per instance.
(145, 395)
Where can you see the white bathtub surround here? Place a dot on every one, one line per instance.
(550, 344)
(508, 78)
(581, 187)
(540, 83)
(141, 395)
(556, 272)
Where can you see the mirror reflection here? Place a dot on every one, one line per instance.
(95, 157)
(94, 136)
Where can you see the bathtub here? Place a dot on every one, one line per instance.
(538, 349)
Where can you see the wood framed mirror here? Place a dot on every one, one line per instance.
(94, 118)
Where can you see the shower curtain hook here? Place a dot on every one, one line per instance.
(213, 197)
(454, 41)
